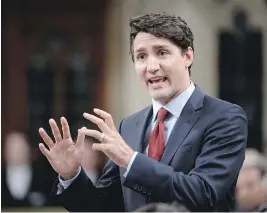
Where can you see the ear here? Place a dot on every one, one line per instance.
(188, 57)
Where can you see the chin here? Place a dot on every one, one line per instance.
(160, 96)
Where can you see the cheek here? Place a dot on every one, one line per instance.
(140, 70)
(171, 66)
(176, 72)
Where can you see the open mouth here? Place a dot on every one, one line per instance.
(155, 80)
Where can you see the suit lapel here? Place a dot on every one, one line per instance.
(141, 126)
(135, 139)
(184, 124)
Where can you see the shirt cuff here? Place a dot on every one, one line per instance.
(130, 164)
(66, 183)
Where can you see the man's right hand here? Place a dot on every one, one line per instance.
(64, 155)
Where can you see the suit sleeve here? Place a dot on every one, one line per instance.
(83, 196)
(215, 171)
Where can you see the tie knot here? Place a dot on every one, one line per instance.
(162, 114)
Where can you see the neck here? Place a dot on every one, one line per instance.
(180, 91)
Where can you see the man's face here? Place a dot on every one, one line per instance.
(161, 66)
(17, 150)
(249, 189)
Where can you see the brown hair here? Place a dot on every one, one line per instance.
(163, 25)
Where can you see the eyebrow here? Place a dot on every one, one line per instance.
(160, 47)
(154, 47)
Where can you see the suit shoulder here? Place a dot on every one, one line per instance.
(216, 105)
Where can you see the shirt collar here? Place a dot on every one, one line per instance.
(176, 105)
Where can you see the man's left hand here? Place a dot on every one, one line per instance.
(111, 142)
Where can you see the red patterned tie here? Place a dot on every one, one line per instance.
(157, 140)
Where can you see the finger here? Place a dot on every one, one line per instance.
(44, 150)
(80, 139)
(49, 142)
(99, 147)
(99, 122)
(107, 117)
(96, 134)
(65, 128)
(55, 130)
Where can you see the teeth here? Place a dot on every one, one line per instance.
(157, 80)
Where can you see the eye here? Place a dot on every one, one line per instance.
(141, 56)
(162, 52)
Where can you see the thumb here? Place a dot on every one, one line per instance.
(80, 139)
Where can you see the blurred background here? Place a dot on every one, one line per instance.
(65, 57)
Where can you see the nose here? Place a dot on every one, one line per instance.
(152, 65)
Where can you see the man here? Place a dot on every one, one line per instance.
(21, 185)
(187, 147)
(251, 184)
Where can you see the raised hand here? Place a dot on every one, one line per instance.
(112, 144)
(63, 154)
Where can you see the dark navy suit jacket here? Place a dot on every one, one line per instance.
(199, 167)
